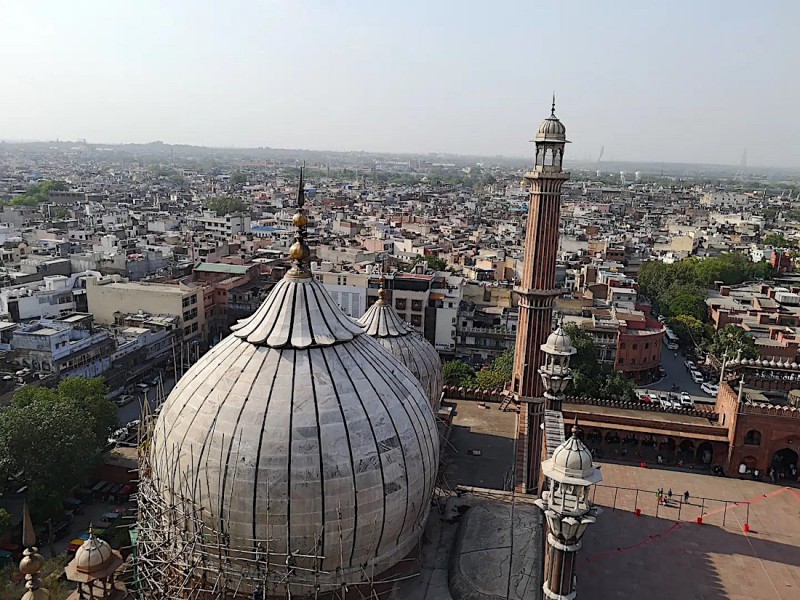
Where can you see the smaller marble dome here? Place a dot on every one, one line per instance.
(572, 463)
(93, 555)
(559, 343)
(551, 129)
(406, 344)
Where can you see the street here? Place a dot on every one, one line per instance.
(131, 411)
(678, 374)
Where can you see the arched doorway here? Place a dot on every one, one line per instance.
(705, 453)
(784, 463)
(686, 450)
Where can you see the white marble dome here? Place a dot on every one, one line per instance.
(382, 322)
(551, 129)
(299, 434)
(571, 463)
(559, 343)
(93, 555)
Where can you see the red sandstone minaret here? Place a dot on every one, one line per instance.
(537, 291)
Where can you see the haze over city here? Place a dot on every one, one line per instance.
(649, 81)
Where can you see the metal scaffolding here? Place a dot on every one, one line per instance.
(178, 555)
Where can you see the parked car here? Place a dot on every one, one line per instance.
(697, 376)
(124, 399)
(686, 400)
(142, 386)
(712, 389)
(664, 401)
(689, 364)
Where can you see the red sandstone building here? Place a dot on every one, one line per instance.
(744, 433)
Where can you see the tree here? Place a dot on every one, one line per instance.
(684, 300)
(226, 206)
(590, 377)
(499, 373)
(52, 445)
(87, 395)
(458, 373)
(690, 330)
(733, 341)
(777, 240)
(680, 288)
(53, 438)
(238, 178)
(585, 360)
(5, 521)
(92, 396)
(435, 263)
(39, 192)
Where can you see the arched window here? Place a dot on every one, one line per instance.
(753, 438)
(646, 345)
(635, 346)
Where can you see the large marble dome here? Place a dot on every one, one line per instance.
(305, 451)
(382, 322)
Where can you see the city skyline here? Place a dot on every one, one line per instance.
(698, 88)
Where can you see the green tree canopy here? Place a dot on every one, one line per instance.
(691, 331)
(777, 240)
(590, 377)
(37, 193)
(435, 263)
(680, 288)
(225, 205)
(53, 438)
(499, 373)
(457, 372)
(238, 178)
(733, 341)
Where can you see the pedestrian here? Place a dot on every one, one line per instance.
(686, 496)
(669, 494)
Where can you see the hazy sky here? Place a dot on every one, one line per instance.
(694, 81)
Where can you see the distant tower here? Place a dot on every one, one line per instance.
(537, 292)
(743, 165)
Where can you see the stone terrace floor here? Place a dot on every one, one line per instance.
(672, 557)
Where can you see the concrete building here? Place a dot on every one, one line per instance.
(221, 228)
(68, 346)
(110, 297)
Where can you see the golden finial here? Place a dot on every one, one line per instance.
(299, 251)
(32, 562)
(381, 290)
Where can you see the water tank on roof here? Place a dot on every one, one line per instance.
(787, 298)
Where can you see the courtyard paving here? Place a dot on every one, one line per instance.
(666, 554)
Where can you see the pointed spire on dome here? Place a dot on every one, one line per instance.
(553, 107)
(300, 252)
(32, 562)
(576, 431)
(298, 312)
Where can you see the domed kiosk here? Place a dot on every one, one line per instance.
(382, 322)
(296, 458)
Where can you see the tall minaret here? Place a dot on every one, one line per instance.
(537, 291)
